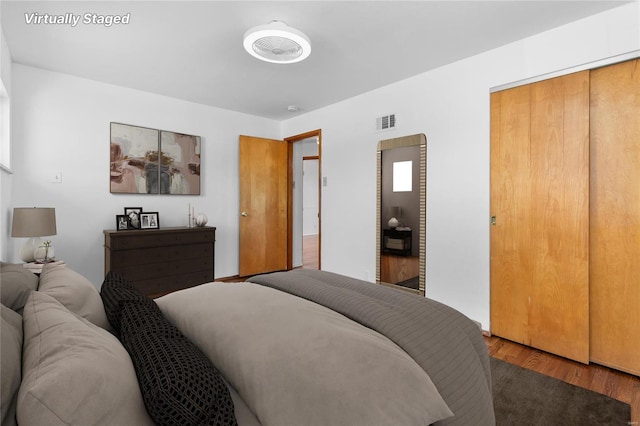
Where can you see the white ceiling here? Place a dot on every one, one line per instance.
(193, 49)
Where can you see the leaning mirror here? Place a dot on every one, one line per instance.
(401, 216)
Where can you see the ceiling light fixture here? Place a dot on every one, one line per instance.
(277, 43)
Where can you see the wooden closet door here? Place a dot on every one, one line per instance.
(540, 200)
(511, 267)
(615, 216)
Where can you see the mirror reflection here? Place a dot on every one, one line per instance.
(402, 176)
(401, 213)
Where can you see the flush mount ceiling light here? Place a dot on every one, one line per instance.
(278, 43)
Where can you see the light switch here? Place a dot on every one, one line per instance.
(57, 177)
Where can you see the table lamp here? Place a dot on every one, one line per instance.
(32, 223)
(395, 212)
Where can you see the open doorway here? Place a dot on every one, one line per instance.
(310, 209)
(304, 206)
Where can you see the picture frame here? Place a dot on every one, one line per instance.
(179, 163)
(134, 159)
(122, 222)
(149, 220)
(152, 161)
(133, 215)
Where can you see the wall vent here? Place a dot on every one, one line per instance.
(386, 122)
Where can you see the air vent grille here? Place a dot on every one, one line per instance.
(386, 122)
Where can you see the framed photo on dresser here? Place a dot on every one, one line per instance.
(133, 215)
(149, 220)
(122, 222)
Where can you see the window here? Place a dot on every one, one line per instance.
(5, 129)
(403, 176)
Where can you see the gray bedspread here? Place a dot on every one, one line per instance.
(444, 342)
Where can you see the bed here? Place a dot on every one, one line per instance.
(293, 348)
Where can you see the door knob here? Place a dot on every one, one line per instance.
(244, 214)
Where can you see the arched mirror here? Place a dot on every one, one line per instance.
(401, 218)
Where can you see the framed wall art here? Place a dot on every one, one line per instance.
(180, 163)
(134, 159)
(151, 161)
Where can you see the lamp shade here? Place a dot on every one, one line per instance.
(33, 222)
(394, 211)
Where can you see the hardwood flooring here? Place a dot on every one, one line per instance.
(615, 384)
(310, 252)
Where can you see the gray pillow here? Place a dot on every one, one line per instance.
(16, 283)
(75, 292)
(74, 372)
(10, 364)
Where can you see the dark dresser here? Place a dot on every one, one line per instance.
(159, 261)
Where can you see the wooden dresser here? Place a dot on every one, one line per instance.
(159, 261)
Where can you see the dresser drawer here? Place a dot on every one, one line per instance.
(144, 239)
(136, 257)
(158, 270)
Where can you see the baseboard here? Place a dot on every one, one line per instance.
(231, 279)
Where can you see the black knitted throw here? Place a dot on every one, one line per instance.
(115, 291)
(179, 385)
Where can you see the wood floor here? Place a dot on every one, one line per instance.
(310, 252)
(617, 385)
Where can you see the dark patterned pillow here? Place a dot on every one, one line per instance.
(179, 384)
(115, 291)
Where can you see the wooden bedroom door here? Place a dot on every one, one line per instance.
(540, 201)
(615, 216)
(263, 205)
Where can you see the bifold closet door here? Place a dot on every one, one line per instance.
(540, 201)
(615, 216)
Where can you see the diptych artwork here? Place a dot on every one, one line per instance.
(150, 161)
(180, 164)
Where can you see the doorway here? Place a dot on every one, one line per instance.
(310, 210)
(304, 205)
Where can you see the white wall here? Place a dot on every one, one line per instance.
(451, 106)
(61, 123)
(6, 177)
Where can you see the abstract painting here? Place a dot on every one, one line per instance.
(179, 164)
(134, 156)
(150, 161)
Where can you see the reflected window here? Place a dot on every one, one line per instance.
(403, 176)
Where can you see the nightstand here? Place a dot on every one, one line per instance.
(36, 268)
(396, 242)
